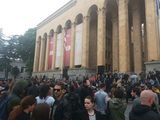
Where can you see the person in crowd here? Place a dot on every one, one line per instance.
(142, 87)
(90, 113)
(85, 90)
(33, 89)
(22, 111)
(155, 105)
(69, 107)
(41, 112)
(101, 99)
(45, 96)
(133, 78)
(136, 96)
(3, 102)
(116, 106)
(144, 111)
(59, 92)
(18, 92)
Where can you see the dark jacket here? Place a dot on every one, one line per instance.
(23, 116)
(84, 92)
(117, 109)
(68, 108)
(84, 116)
(143, 112)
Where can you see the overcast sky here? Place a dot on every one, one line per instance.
(17, 16)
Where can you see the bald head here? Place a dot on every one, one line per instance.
(147, 97)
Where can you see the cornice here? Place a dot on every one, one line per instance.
(59, 12)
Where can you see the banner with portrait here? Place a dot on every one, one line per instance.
(67, 47)
(50, 54)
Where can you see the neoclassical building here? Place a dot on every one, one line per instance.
(89, 36)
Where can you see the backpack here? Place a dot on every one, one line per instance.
(3, 107)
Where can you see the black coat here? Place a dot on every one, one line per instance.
(84, 92)
(84, 116)
(23, 116)
(143, 112)
(68, 108)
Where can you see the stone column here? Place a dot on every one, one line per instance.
(72, 45)
(47, 53)
(115, 44)
(101, 40)
(85, 42)
(124, 59)
(54, 50)
(137, 40)
(151, 30)
(36, 57)
(62, 54)
(42, 50)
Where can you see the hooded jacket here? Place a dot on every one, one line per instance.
(143, 112)
(117, 109)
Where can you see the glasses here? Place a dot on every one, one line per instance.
(57, 90)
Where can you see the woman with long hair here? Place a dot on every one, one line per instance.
(22, 111)
(90, 113)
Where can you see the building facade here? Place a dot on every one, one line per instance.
(89, 36)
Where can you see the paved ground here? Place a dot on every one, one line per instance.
(129, 107)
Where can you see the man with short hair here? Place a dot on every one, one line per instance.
(59, 92)
(144, 111)
(85, 90)
(101, 99)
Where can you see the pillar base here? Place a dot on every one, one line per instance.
(80, 72)
(72, 73)
(152, 65)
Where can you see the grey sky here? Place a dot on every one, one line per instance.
(17, 16)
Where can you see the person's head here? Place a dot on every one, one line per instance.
(102, 86)
(19, 88)
(27, 105)
(59, 90)
(44, 91)
(89, 103)
(143, 87)
(28, 102)
(41, 112)
(135, 92)
(118, 93)
(86, 82)
(147, 97)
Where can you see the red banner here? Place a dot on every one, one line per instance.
(50, 54)
(67, 47)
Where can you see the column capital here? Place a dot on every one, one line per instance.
(101, 10)
(73, 23)
(63, 28)
(55, 32)
(43, 39)
(86, 17)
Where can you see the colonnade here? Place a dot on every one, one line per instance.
(123, 34)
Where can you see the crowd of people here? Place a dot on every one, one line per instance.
(96, 97)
